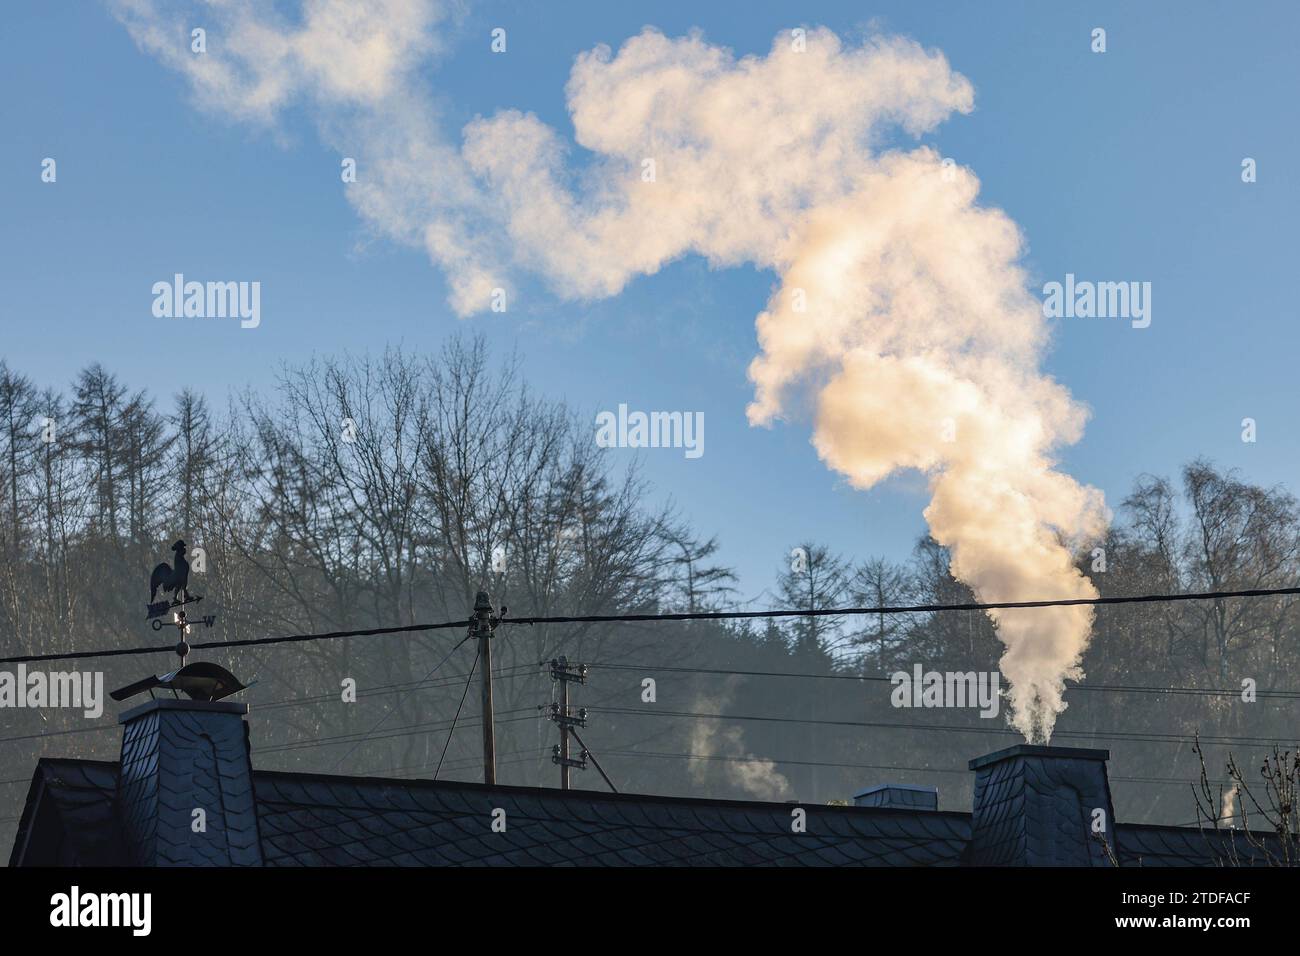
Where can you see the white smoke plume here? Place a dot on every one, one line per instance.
(713, 746)
(1229, 812)
(901, 310)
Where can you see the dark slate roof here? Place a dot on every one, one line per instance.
(1149, 845)
(68, 819)
(325, 820)
(311, 820)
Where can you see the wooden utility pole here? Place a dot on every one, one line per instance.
(483, 625)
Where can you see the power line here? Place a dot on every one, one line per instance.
(465, 763)
(450, 733)
(361, 736)
(594, 761)
(902, 609)
(313, 742)
(213, 645)
(368, 735)
(380, 690)
(1142, 737)
(460, 763)
(511, 672)
(671, 616)
(738, 759)
(357, 740)
(422, 727)
(58, 733)
(728, 758)
(859, 766)
(446, 657)
(1118, 688)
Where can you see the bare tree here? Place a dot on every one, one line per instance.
(196, 448)
(702, 585)
(98, 410)
(1242, 536)
(815, 580)
(1272, 800)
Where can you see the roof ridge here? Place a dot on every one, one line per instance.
(555, 793)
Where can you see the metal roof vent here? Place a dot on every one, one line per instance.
(898, 796)
(201, 680)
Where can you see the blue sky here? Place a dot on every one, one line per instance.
(1118, 166)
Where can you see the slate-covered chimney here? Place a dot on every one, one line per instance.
(178, 757)
(1038, 806)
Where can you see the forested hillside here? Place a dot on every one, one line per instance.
(386, 491)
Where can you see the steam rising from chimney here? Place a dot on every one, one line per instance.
(901, 309)
(721, 750)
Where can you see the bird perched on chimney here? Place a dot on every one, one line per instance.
(173, 579)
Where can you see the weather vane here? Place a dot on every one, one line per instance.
(174, 579)
(202, 680)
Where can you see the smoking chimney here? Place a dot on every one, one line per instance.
(185, 791)
(1042, 806)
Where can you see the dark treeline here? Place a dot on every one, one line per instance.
(387, 491)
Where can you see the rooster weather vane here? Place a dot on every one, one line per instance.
(202, 680)
(173, 579)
